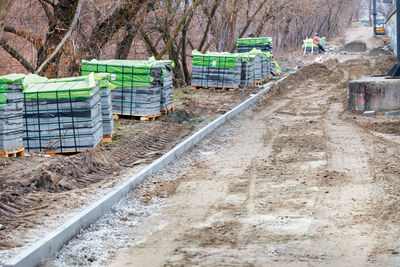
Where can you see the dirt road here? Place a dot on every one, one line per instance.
(302, 183)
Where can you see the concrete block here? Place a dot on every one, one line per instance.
(393, 113)
(373, 93)
(370, 113)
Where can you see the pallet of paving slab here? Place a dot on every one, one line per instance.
(170, 109)
(13, 153)
(214, 88)
(140, 117)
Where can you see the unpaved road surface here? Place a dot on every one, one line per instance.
(302, 183)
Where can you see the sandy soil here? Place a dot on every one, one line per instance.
(302, 183)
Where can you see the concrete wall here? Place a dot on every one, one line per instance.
(373, 93)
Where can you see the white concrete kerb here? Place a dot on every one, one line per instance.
(53, 242)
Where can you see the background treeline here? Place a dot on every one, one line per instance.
(51, 37)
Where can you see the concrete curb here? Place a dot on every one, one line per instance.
(53, 242)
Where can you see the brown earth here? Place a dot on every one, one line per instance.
(38, 188)
(302, 183)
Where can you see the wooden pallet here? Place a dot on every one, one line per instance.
(53, 153)
(13, 153)
(214, 88)
(168, 110)
(107, 138)
(258, 83)
(140, 117)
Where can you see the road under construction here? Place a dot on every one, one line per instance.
(295, 179)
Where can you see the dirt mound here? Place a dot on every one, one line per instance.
(357, 68)
(383, 64)
(380, 51)
(318, 73)
(355, 46)
(383, 127)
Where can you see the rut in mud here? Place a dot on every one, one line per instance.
(21, 202)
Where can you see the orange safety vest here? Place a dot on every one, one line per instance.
(316, 40)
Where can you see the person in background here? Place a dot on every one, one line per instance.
(316, 42)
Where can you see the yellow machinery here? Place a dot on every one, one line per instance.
(380, 28)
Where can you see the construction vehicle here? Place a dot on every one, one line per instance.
(380, 28)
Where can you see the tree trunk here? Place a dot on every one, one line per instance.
(209, 22)
(105, 30)
(58, 26)
(5, 6)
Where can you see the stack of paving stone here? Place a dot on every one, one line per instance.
(247, 69)
(309, 46)
(106, 103)
(258, 64)
(103, 80)
(166, 66)
(219, 70)
(11, 112)
(63, 116)
(263, 44)
(267, 67)
(138, 85)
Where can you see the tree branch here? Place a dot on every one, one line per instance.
(178, 28)
(209, 22)
(15, 54)
(67, 35)
(47, 11)
(149, 43)
(249, 22)
(20, 33)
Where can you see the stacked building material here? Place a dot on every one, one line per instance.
(11, 112)
(309, 46)
(138, 84)
(247, 69)
(63, 116)
(258, 64)
(166, 66)
(106, 105)
(267, 65)
(247, 44)
(219, 70)
(103, 80)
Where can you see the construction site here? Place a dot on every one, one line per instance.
(249, 143)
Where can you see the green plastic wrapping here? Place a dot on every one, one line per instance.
(3, 99)
(61, 89)
(32, 79)
(252, 41)
(277, 66)
(215, 59)
(12, 78)
(129, 73)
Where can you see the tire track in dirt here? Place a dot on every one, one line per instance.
(54, 182)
